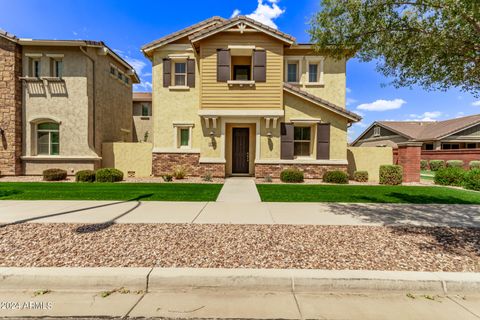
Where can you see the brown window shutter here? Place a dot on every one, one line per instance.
(260, 65)
(191, 73)
(286, 138)
(323, 141)
(167, 73)
(223, 65)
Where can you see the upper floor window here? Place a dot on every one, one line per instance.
(292, 72)
(314, 70)
(120, 75)
(313, 73)
(180, 76)
(301, 141)
(48, 139)
(35, 67)
(145, 110)
(241, 72)
(113, 71)
(57, 68)
(376, 132)
(241, 63)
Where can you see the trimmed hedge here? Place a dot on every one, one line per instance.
(335, 176)
(474, 164)
(108, 175)
(436, 164)
(360, 176)
(391, 174)
(450, 176)
(471, 180)
(85, 176)
(54, 174)
(423, 165)
(291, 175)
(454, 164)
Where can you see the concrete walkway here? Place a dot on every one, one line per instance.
(239, 189)
(238, 213)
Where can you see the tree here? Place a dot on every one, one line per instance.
(431, 43)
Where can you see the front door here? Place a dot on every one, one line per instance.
(240, 150)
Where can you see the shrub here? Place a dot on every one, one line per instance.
(450, 176)
(360, 176)
(291, 175)
(180, 172)
(423, 165)
(268, 178)
(475, 164)
(167, 178)
(85, 176)
(207, 177)
(391, 174)
(54, 174)
(436, 164)
(455, 164)
(472, 180)
(335, 176)
(108, 175)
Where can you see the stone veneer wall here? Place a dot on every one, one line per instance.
(165, 163)
(311, 171)
(10, 107)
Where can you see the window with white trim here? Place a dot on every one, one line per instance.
(57, 68)
(183, 136)
(302, 141)
(292, 72)
(35, 67)
(180, 73)
(376, 132)
(314, 70)
(48, 138)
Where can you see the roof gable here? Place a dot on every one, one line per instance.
(242, 23)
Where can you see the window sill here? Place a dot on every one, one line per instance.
(315, 84)
(241, 83)
(294, 83)
(179, 88)
(31, 79)
(55, 79)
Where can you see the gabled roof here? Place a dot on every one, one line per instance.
(8, 36)
(351, 116)
(226, 24)
(181, 33)
(426, 130)
(142, 96)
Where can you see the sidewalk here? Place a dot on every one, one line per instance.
(241, 293)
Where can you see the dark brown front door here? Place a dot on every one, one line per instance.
(240, 150)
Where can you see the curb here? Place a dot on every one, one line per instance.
(288, 280)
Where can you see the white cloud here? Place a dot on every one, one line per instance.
(349, 90)
(235, 13)
(350, 101)
(265, 12)
(143, 86)
(426, 116)
(382, 105)
(137, 64)
(476, 103)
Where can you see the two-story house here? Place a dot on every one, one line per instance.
(70, 97)
(236, 97)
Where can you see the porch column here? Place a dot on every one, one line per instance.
(409, 156)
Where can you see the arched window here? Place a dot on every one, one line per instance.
(48, 139)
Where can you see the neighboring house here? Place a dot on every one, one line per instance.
(142, 117)
(454, 139)
(236, 97)
(64, 98)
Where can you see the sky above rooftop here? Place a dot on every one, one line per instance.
(127, 25)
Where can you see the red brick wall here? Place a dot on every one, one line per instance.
(310, 171)
(466, 155)
(409, 158)
(165, 163)
(10, 108)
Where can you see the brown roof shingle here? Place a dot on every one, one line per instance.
(348, 114)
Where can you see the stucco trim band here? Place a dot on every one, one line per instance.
(212, 160)
(173, 150)
(300, 162)
(241, 113)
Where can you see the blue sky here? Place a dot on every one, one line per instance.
(127, 25)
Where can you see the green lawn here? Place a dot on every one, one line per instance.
(109, 191)
(366, 194)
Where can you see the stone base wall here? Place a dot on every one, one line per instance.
(10, 108)
(310, 171)
(165, 163)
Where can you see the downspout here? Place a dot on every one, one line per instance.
(93, 97)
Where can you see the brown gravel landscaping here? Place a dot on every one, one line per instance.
(241, 246)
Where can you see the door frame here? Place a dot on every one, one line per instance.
(254, 141)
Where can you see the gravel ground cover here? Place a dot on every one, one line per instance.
(241, 246)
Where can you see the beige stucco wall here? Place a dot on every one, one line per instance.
(142, 125)
(128, 157)
(390, 141)
(368, 159)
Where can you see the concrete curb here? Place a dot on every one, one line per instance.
(288, 280)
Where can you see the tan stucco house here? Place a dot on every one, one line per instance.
(236, 97)
(142, 117)
(63, 99)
